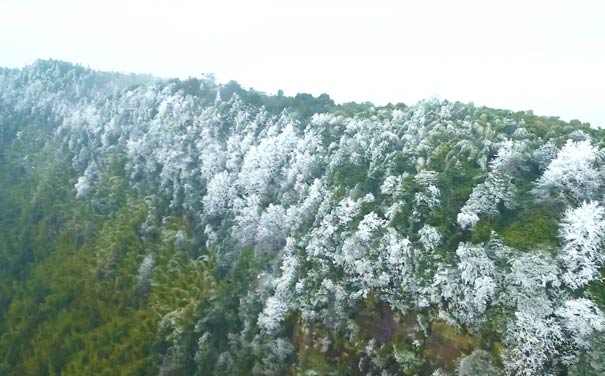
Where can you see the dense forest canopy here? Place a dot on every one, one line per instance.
(185, 227)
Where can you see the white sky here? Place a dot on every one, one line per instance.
(548, 56)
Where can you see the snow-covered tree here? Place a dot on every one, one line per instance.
(572, 173)
(87, 182)
(590, 362)
(497, 187)
(359, 253)
(429, 237)
(532, 280)
(545, 154)
(272, 228)
(532, 345)
(390, 185)
(583, 233)
(580, 319)
(467, 289)
(145, 268)
(220, 193)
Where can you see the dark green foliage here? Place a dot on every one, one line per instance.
(532, 229)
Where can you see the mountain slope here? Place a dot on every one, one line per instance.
(184, 227)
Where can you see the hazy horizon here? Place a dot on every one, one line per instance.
(545, 56)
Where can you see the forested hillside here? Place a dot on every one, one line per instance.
(182, 227)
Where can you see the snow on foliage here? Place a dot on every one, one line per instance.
(390, 186)
(429, 237)
(497, 187)
(532, 280)
(467, 218)
(272, 228)
(468, 288)
(83, 186)
(581, 318)
(532, 345)
(86, 182)
(583, 232)
(572, 173)
(145, 268)
(219, 194)
(355, 252)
